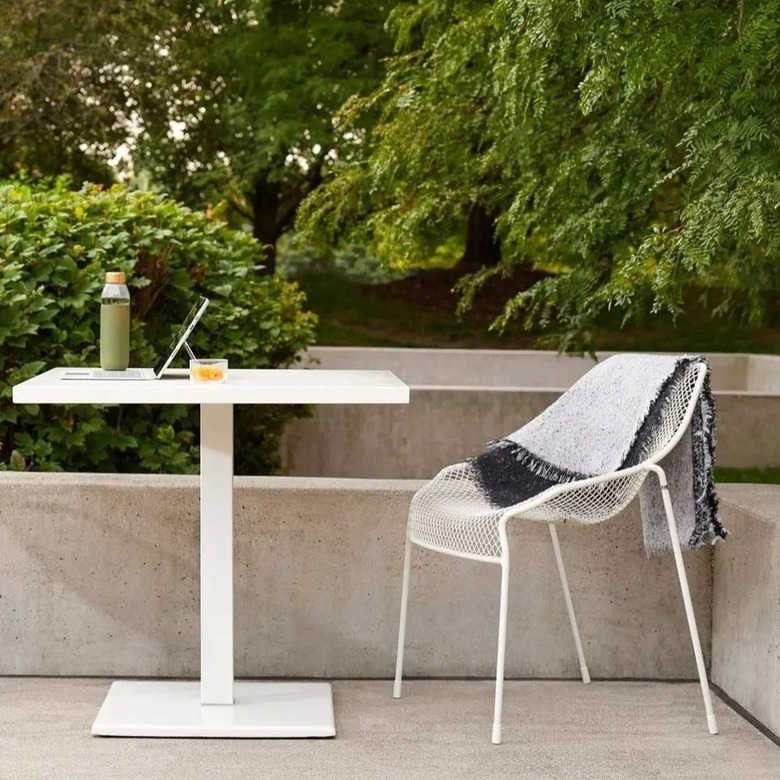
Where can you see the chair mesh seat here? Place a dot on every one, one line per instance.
(450, 513)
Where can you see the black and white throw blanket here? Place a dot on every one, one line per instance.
(606, 422)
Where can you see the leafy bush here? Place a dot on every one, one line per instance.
(55, 247)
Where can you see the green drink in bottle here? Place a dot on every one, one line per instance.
(115, 323)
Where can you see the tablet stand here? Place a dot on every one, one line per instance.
(189, 350)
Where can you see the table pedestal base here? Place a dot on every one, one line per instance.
(150, 708)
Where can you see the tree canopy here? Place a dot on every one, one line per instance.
(630, 148)
(66, 89)
(220, 100)
(253, 86)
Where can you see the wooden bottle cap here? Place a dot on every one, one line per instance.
(116, 277)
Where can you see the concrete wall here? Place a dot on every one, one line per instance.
(450, 416)
(503, 367)
(99, 576)
(440, 425)
(746, 610)
(444, 425)
(763, 374)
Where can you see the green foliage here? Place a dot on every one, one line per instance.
(55, 247)
(226, 102)
(253, 85)
(634, 147)
(351, 262)
(66, 90)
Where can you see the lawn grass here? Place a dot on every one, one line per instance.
(350, 316)
(765, 476)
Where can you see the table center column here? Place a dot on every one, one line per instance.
(216, 554)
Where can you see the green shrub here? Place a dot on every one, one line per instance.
(295, 259)
(55, 247)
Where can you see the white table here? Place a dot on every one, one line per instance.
(218, 706)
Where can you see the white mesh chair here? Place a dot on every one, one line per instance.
(449, 515)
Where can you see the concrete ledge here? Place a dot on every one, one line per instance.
(461, 399)
(746, 610)
(443, 425)
(527, 368)
(99, 576)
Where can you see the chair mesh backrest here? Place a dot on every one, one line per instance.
(450, 513)
(595, 503)
(674, 410)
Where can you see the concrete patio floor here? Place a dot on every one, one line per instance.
(439, 729)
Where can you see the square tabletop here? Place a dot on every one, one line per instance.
(243, 386)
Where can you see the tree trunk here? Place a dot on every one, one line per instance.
(482, 245)
(265, 227)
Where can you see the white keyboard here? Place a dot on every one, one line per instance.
(98, 373)
(130, 373)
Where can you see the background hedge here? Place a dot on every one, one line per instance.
(55, 247)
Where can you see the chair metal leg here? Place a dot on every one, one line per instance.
(399, 659)
(502, 616)
(569, 606)
(712, 724)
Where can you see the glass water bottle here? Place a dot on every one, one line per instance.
(115, 323)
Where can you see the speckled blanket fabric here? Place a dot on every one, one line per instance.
(606, 422)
